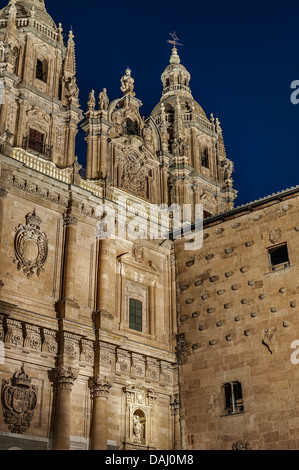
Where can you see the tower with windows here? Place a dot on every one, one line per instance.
(41, 108)
(199, 170)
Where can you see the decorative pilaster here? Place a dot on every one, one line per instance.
(100, 389)
(64, 379)
(3, 196)
(175, 412)
(70, 223)
(103, 284)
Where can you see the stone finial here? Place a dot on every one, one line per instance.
(175, 58)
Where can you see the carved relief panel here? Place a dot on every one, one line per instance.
(31, 246)
(139, 404)
(19, 400)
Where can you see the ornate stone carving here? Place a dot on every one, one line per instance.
(3, 192)
(69, 219)
(31, 246)
(241, 446)
(86, 351)
(138, 365)
(100, 387)
(70, 346)
(49, 342)
(182, 348)
(14, 332)
(138, 253)
(175, 405)
(137, 429)
(64, 377)
(270, 339)
(134, 174)
(123, 361)
(32, 337)
(274, 236)
(19, 400)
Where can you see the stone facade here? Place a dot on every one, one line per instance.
(80, 366)
(238, 316)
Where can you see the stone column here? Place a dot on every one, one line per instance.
(100, 390)
(3, 196)
(63, 381)
(175, 412)
(3, 115)
(71, 144)
(195, 151)
(103, 290)
(70, 254)
(103, 155)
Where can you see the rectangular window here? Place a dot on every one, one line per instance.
(279, 257)
(233, 398)
(135, 309)
(36, 140)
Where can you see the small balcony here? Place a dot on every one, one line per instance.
(38, 146)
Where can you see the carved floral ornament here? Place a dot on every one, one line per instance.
(19, 400)
(31, 246)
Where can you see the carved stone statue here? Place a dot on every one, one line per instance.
(91, 101)
(228, 168)
(137, 429)
(103, 100)
(72, 88)
(127, 83)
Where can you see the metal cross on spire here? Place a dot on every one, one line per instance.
(175, 40)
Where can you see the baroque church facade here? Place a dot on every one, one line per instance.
(126, 341)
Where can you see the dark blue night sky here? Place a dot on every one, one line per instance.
(242, 56)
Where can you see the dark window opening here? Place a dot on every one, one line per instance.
(205, 159)
(41, 70)
(36, 141)
(131, 127)
(135, 321)
(279, 256)
(60, 89)
(233, 398)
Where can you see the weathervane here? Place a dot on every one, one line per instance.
(175, 40)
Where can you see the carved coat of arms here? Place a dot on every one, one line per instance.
(19, 400)
(134, 174)
(31, 246)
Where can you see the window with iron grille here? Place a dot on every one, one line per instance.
(135, 320)
(233, 397)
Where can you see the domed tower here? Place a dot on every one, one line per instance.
(40, 113)
(199, 171)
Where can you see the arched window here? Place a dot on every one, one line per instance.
(135, 315)
(41, 70)
(205, 158)
(131, 127)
